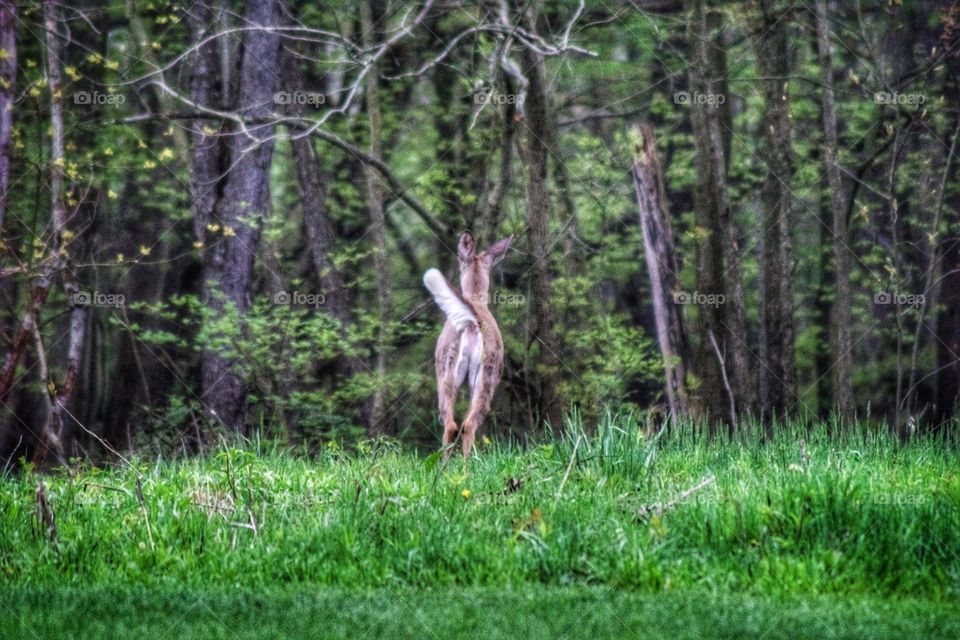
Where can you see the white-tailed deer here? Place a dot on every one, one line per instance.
(470, 346)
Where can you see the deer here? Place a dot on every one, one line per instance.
(470, 346)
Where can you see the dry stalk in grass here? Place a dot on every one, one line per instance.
(146, 514)
(214, 502)
(657, 508)
(45, 516)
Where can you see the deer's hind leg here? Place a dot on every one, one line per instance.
(447, 392)
(449, 378)
(482, 389)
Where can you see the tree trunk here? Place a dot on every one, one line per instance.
(718, 250)
(208, 153)
(823, 313)
(777, 329)
(378, 233)
(22, 337)
(207, 162)
(573, 256)
(228, 268)
(19, 433)
(535, 149)
(948, 329)
(8, 86)
(494, 205)
(53, 436)
(453, 143)
(320, 230)
(661, 259)
(841, 340)
(947, 323)
(321, 234)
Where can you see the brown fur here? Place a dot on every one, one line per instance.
(475, 283)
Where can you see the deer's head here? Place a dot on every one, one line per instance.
(475, 267)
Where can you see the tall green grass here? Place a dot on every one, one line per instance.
(802, 515)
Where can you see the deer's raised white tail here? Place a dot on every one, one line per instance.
(457, 309)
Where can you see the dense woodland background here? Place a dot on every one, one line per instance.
(215, 215)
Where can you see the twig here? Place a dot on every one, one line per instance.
(657, 508)
(146, 516)
(566, 474)
(726, 382)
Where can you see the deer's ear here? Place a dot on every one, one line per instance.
(466, 247)
(497, 250)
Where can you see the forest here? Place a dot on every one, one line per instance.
(736, 214)
(697, 260)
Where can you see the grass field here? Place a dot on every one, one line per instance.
(526, 612)
(589, 535)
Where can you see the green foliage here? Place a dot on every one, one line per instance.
(278, 351)
(613, 359)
